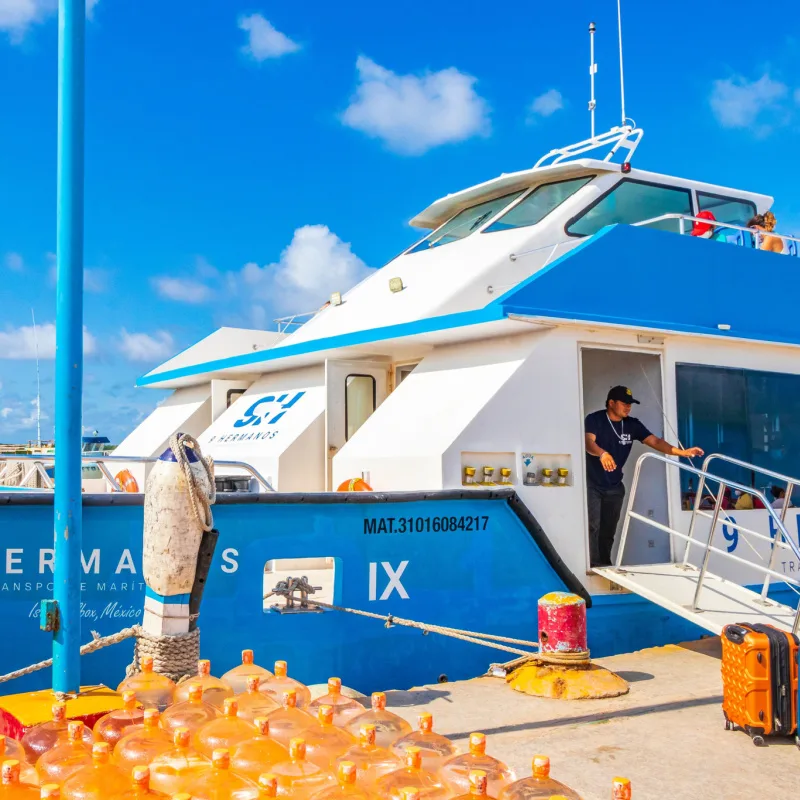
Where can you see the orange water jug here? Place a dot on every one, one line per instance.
(219, 783)
(151, 689)
(620, 789)
(413, 776)
(456, 770)
(267, 786)
(99, 780)
(347, 788)
(344, 708)
(298, 778)
(372, 762)
(10, 786)
(140, 788)
(435, 747)
(111, 727)
(226, 731)
(141, 744)
(478, 784)
(237, 677)
(255, 703)
(259, 754)
(56, 765)
(174, 769)
(280, 682)
(388, 726)
(288, 721)
(192, 713)
(46, 735)
(214, 690)
(539, 785)
(11, 750)
(324, 741)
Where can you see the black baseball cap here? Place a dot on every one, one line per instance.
(621, 393)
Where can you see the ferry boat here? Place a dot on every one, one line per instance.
(453, 384)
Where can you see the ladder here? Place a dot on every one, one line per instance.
(685, 585)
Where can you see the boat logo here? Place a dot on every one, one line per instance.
(261, 409)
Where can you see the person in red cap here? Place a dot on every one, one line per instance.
(610, 433)
(705, 230)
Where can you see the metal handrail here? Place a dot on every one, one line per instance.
(40, 460)
(724, 483)
(715, 224)
(292, 320)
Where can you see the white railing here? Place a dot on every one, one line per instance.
(792, 243)
(781, 539)
(284, 323)
(38, 462)
(627, 137)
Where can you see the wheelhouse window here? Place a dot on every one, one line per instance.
(727, 209)
(633, 201)
(747, 414)
(538, 204)
(465, 222)
(360, 397)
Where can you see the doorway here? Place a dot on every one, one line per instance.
(641, 372)
(354, 389)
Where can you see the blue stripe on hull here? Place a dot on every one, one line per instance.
(486, 579)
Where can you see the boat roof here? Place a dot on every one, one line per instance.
(444, 208)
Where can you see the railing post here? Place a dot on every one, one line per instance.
(701, 485)
(681, 225)
(626, 524)
(707, 555)
(778, 533)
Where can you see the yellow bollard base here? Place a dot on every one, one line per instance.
(566, 683)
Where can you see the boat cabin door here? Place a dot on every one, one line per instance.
(640, 371)
(354, 390)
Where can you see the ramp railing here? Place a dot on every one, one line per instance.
(707, 548)
(38, 462)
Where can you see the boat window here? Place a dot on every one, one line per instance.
(747, 414)
(360, 396)
(465, 222)
(633, 201)
(538, 204)
(727, 209)
(232, 396)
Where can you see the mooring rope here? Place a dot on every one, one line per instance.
(201, 504)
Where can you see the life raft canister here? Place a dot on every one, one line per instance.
(172, 530)
(354, 485)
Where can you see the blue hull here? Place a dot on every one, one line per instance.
(475, 561)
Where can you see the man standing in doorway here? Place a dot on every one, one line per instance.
(610, 433)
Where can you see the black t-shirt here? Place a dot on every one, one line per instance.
(615, 438)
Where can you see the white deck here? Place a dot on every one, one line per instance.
(672, 586)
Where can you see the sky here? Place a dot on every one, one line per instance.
(245, 158)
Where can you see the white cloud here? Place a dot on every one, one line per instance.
(315, 264)
(14, 260)
(413, 113)
(263, 39)
(17, 16)
(759, 105)
(20, 343)
(6, 412)
(183, 290)
(546, 104)
(143, 347)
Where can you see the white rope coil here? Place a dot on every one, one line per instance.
(201, 503)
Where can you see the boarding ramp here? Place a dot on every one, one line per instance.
(685, 586)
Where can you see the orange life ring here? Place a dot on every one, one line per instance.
(355, 485)
(126, 481)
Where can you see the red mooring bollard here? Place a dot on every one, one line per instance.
(562, 623)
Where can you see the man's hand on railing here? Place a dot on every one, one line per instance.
(690, 452)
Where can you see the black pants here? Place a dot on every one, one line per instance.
(605, 506)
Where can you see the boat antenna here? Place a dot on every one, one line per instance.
(621, 70)
(38, 385)
(592, 72)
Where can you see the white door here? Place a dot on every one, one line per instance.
(354, 390)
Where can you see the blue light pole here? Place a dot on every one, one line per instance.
(69, 347)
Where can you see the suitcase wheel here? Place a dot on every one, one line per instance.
(729, 727)
(758, 740)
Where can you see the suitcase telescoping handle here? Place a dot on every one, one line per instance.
(735, 633)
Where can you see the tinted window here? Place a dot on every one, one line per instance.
(633, 201)
(726, 209)
(751, 415)
(359, 401)
(538, 204)
(465, 222)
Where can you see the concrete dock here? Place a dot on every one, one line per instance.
(667, 735)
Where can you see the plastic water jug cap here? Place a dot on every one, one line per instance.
(325, 715)
(253, 683)
(204, 667)
(541, 767)
(181, 737)
(10, 771)
(414, 757)
(477, 743)
(268, 784)
(334, 685)
(280, 669)
(247, 656)
(75, 731)
(101, 752)
(50, 791)
(378, 701)
(425, 721)
(151, 717)
(221, 758)
(59, 712)
(146, 663)
(129, 700)
(409, 793)
(141, 775)
(621, 789)
(367, 734)
(290, 698)
(195, 692)
(230, 707)
(477, 782)
(262, 723)
(297, 748)
(347, 772)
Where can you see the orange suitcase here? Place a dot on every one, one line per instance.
(759, 680)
